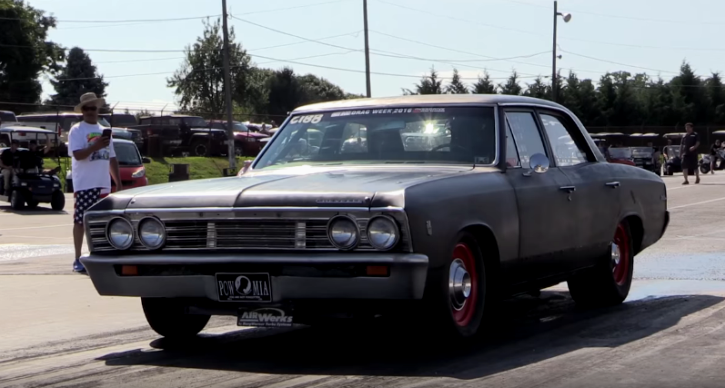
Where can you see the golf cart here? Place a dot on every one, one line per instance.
(673, 161)
(644, 157)
(620, 155)
(707, 158)
(30, 184)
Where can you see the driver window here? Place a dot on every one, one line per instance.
(512, 154)
(526, 135)
(566, 150)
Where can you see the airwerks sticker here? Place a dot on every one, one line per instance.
(309, 119)
(265, 317)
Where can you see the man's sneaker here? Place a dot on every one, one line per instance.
(78, 267)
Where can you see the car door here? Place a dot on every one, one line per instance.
(596, 195)
(544, 207)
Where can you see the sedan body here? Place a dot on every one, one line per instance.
(513, 197)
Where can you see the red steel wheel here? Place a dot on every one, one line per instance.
(463, 285)
(620, 256)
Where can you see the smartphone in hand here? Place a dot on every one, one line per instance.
(107, 133)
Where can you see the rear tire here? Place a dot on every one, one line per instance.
(607, 283)
(57, 202)
(704, 168)
(168, 318)
(200, 149)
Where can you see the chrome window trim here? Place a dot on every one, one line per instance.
(393, 106)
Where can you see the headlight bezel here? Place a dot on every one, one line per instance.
(139, 234)
(108, 234)
(396, 227)
(356, 241)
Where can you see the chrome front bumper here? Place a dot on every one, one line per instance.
(406, 279)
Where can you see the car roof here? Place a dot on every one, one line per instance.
(51, 114)
(428, 99)
(7, 148)
(20, 128)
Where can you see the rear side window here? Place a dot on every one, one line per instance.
(526, 135)
(7, 117)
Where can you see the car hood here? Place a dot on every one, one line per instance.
(289, 187)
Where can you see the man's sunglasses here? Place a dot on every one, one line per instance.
(89, 108)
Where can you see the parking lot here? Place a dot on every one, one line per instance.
(56, 330)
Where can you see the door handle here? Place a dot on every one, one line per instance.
(613, 185)
(569, 189)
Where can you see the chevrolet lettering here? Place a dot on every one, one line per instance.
(425, 208)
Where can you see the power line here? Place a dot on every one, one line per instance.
(295, 7)
(539, 34)
(125, 21)
(618, 63)
(614, 16)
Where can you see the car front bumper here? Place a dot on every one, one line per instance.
(292, 276)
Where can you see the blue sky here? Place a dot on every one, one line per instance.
(615, 35)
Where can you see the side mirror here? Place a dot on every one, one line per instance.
(245, 167)
(146, 160)
(538, 163)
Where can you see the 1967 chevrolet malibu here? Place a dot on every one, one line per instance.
(438, 204)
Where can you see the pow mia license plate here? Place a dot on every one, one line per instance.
(264, 317)
(244, 287)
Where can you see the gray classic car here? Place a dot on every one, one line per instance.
(311, 232)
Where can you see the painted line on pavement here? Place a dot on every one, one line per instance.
(697, 203)
(37, 227)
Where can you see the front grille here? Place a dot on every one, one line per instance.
(243, 234)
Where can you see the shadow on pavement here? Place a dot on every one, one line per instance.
(531, 330)
(38, 211)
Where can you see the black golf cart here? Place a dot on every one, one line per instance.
(30, 184)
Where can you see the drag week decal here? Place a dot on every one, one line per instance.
(387, 111)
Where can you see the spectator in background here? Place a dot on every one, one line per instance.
(688, 152)
(714, 155)
(8, 161)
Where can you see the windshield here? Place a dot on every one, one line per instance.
(642, 152)
(195, 122)
(239, 127)
(7, 117)
(453, 135)
(127, 154)
(620, 153)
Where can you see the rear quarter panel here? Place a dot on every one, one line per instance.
(642, 193)
(478, 197)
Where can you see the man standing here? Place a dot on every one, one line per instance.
(8, 159)
(39, 154)
(714, 154)
(688, 150)
(94, 163)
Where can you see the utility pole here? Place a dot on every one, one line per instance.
(554, 82)
(367, 48)
(228, 94)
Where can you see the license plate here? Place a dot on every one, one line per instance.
(244, 287)
(264, 317)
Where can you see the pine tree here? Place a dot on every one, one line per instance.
(77, 77)
(457, 86)
(484, 85)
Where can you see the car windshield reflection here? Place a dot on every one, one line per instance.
(450, 135)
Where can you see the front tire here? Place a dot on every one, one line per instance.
(607, 283)
(17, 202)
(168, 318)
(457, 306)
(704, 168)
(57, 202)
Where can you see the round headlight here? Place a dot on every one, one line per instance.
(383, 233)
(120, 233)
(343, 232)
(151, 232)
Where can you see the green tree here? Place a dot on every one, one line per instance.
(199, 82)
(538, 89)
(429, 84)
(77, 77)
(317, 89)
(484, 85)
(286, 92)
(28, 53)
(511, 86)
(457, 86)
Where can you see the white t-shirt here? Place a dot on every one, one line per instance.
(93, 172)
